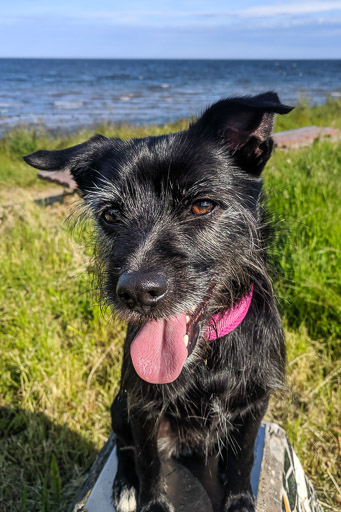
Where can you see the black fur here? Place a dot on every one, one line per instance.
(141, 194)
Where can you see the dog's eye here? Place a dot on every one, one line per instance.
(109, 215)
(202, 207)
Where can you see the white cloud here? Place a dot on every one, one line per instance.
(191, 17)
(274, 14)
(294, 8)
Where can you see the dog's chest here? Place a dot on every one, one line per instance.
(195, 427)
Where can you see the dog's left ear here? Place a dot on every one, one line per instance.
(244, 124)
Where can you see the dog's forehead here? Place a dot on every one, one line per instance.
(176, 161)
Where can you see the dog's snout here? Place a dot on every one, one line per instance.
(141, 289)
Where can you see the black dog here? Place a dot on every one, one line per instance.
(182, 251)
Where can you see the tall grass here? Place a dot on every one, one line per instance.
(304, 192)
(54, 390)
(60, 355)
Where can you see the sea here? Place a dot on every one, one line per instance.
(69, 93)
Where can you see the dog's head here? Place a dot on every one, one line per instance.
(178, 219)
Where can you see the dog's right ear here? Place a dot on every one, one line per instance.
(243, 125)
(79, 160)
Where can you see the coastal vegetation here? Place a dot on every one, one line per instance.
(60, 351)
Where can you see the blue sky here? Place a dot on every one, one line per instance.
(171, 29)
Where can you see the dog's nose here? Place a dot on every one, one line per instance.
(141, 289)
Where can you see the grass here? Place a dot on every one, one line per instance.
(327, 114)
(55, 392)
(60, 355)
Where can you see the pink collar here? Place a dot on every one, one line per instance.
(224, 323)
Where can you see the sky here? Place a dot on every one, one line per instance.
(213, 29)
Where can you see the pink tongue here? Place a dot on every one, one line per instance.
(158, 351)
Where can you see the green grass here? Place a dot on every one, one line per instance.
(54, 390)
(327, 114)
(304, 192)
(60, 355)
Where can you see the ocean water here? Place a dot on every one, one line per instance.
(63, 93)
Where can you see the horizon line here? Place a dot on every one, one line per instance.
(169, 58)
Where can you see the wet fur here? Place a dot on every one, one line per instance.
(211, 413)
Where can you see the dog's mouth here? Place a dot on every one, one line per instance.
(161, 347)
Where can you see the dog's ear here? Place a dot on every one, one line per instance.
(244, 124)
(79, 160)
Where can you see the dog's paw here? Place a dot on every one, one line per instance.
(240, 503)
(124, 497)
(161, 505)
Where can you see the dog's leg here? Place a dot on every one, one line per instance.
(125, 488)
(138, 484)
(239, 458)
(152, 496)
